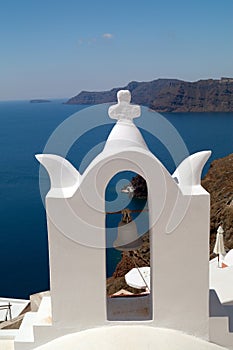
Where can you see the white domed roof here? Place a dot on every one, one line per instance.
(128, 337)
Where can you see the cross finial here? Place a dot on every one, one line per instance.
(123, 110)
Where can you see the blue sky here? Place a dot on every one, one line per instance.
(54, 49)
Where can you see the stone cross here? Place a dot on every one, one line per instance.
(123, 110)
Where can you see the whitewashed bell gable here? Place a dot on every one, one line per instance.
(179, 229)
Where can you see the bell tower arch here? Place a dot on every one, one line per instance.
(127, 239)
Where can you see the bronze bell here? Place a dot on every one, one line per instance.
(127, 236)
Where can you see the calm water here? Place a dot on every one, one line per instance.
(24, 131)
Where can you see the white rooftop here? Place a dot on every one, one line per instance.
(130, 338)
(221, 279)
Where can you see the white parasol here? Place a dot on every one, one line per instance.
(139, 277)
(219, 244)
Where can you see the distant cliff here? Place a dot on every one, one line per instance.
(170, 95)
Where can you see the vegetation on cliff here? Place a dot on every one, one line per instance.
(170, 95)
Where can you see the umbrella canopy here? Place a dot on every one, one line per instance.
(138, 277)
(219, 244)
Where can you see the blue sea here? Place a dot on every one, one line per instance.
(78, 133)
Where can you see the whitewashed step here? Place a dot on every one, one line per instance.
(219, 332)
(44, 315)
(8, 334)
(26, 332)
(6, 344)
(35, 326)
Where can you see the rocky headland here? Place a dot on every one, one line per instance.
(39, 101)
(170, 95)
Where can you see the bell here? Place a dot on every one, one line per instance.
(127, 237)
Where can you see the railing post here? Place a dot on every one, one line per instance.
(9, 308)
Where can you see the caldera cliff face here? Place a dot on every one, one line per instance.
(219, 183)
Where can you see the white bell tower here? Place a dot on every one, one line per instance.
(179, 227)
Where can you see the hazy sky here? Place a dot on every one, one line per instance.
(55, 48)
